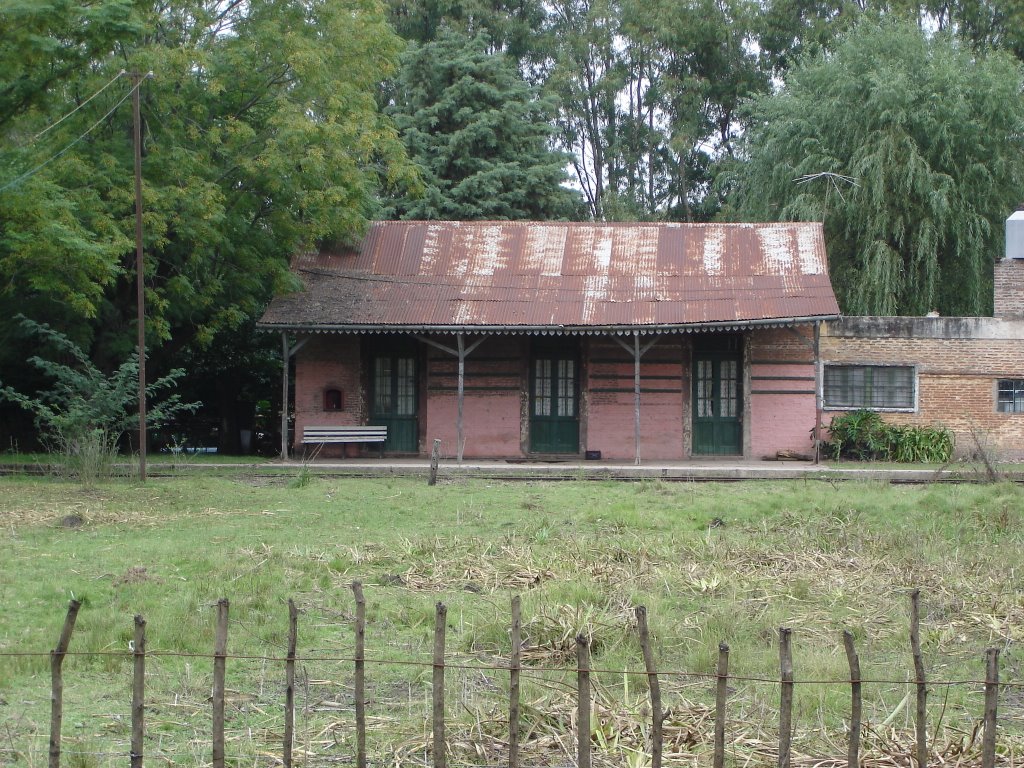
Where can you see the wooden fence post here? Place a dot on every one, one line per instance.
(988, 739)
(583, 689)
(657, 718)
(138, 692)
(220, 651)
(360, 681)
(921, 719)
(57, 681)
(721, 694)
(440, 624)
(786, 699)
(435, 455)
(513, 686)
(289, 684)
(853, 756)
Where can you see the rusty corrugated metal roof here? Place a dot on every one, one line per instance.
(537, 276)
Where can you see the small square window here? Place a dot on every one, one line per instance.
(1010, 396)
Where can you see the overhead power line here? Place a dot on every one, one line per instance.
(50, 127)
(87, 131)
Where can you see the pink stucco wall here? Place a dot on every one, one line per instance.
(328, 362)
(782, 383)
(492, 403)
(779, 385)
(664, 400)
(491, 424)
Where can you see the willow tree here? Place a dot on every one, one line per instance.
(909, 148)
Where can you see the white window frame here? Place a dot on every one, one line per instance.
(825, 406)
(995, 398)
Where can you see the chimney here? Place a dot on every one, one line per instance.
(1015, 234)
(1009, 273)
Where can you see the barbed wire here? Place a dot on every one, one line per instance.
(157, 654)
(161, 754)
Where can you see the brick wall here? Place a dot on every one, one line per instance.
(778, 414)
(782, 385)
(664, 399)
(1009, 288)
(958, 367)
(494, 388)
(328, 362)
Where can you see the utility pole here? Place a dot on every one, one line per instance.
(140, 291)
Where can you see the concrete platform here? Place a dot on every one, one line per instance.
(685, 471)
(697, 470)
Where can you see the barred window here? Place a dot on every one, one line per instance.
(869, 386)
(1010, 398)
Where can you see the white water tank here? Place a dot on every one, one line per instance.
(1015, 235)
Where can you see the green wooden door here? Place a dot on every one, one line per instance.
(717, 403)
(554, 404)
(394, 400)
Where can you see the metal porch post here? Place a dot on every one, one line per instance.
(637, 352)
(462, 386)
(461, 352)
(285, 357)
(817, 392)
(636, 396)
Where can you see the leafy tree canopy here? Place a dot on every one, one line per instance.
(261, 135)
(513, 27)
(479, 134)
(909, 148)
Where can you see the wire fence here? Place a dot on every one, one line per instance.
(326, 709)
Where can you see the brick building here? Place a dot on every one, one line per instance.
(965, 373)
(525, 339)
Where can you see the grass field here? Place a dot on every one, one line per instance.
(711, 562)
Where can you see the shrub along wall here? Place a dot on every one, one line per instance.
(958, 364)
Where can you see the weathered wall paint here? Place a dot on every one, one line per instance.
(491, 403)
(778, 415)
(328, 362)
(782, 386)
(664, 399)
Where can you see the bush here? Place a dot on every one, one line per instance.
(863, 435)
(85, 412)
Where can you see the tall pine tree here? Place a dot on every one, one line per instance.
(479, 134)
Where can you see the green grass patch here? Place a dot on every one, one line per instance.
(711, 562)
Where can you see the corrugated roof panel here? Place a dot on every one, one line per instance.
(508, 274)
(383, 255)
(410, 260)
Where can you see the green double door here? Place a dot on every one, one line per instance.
(554, 402)
(717, 398)
(395, 399)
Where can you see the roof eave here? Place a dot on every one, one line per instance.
(576, 330)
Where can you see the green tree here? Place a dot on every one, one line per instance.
(479, 134)
(909, 148)
(513, 27)
(989, 23)
(648, 95)
(261, 136)
(84, 413)
(44, 45)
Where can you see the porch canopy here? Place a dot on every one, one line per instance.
(555, 278)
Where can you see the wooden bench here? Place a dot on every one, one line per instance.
(321, 435)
